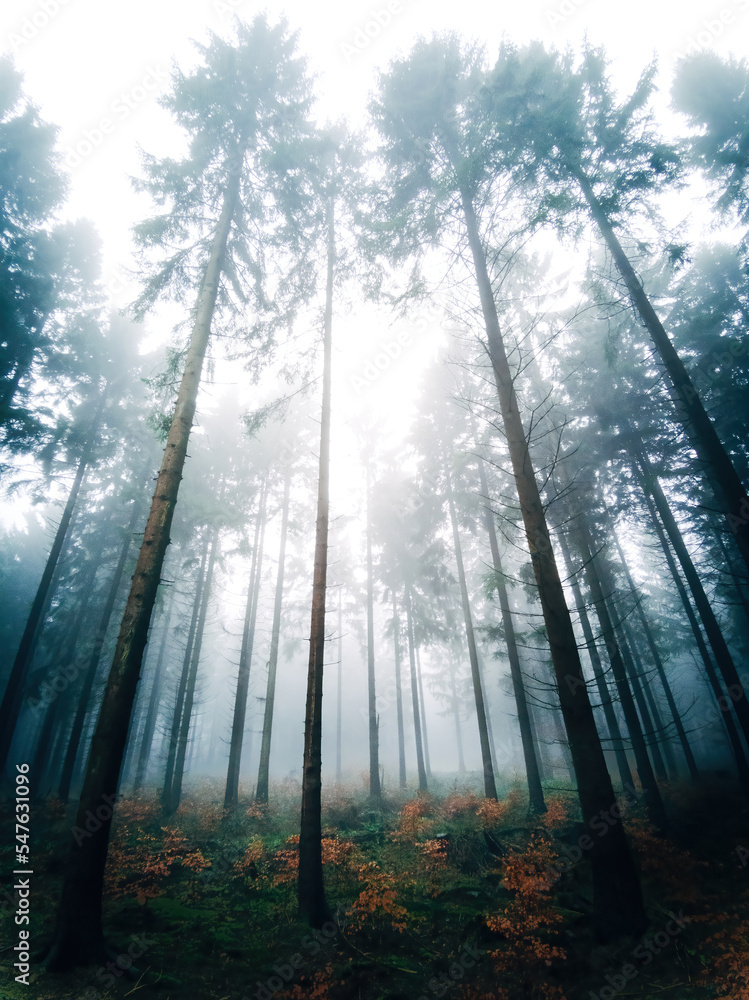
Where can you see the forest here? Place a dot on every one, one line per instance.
(376, 584)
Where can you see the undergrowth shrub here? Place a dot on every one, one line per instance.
(526, 923)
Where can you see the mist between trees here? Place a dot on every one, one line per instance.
(431, 517)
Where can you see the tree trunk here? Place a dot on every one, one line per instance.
(530, 755)
(612, 723)
(374, 751)
(11, 703)
(422, 710)
(490, 788)
(152, 711)
(617, 897)
(312, 902)
(89, 675)
(261, 793)
(423, 786)
(175, 790)
(231, 795)
(719, 469)
(724, 704)
(714, 634)
(339, 702)
(456, 716)
(653, 801)
(488, 710)
(179, 699)
(79, 937)
(655, 653)
(399, 697)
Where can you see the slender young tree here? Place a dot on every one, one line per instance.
(398, 695)
(373, 719)
(261, 792)
(174, 793)
(536, 800)
(490, 788)
(231, 794)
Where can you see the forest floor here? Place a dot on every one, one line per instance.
(437, 896)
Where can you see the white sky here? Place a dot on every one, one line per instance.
(88, 61)
(95, 69)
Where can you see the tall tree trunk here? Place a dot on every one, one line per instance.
(737, 582)
(152, 711)
(719, 469)
(530, 755)
(653, 801)
(423, 786)
(11, 703)
(422, 709)
(617, 897)
(339, 691)
(490, 788)
(79, 937)
(660, 727)
(612, 723)
(261, 793)
(637, 682)
(714, 633)
(89, 675)
(658, 662)
(175, 790)
(374, 751)
(312, 902)
(723, 703)
(179, 700)
(231, 795)
(456, 716)
(488, 709)
(399, 697)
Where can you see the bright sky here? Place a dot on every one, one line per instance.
(96, 68)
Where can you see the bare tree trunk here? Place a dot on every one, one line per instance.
(153, 705)
(658, 662)
(456, 716)
(89, 675)
(11, 703)
(339, 702)
(612, 723)
(723, 703)
(533, 775)
(312, 902)
(261, 793)
(490, 788)
(617, 897)
(399, 697)
(79, 937)
(653, 801)
(374, 751)
(179, 701)
(714, 634)
(415, 695)
(422, 709)
(175, 789)
(231, 795)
